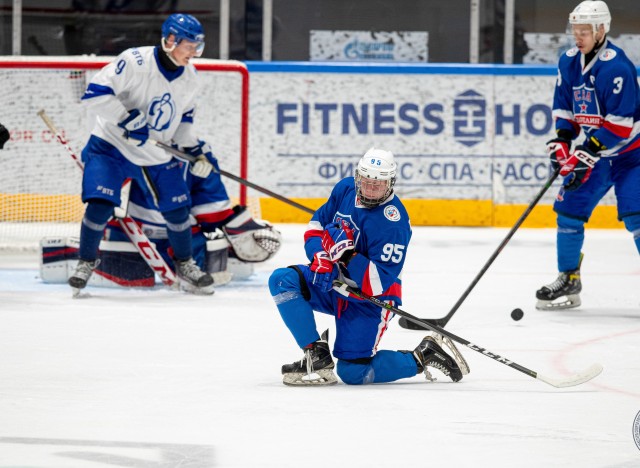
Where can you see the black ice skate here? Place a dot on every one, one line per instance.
(192, 279)
(563, 293)
(315, 368)
(429, 353)
(81, 275)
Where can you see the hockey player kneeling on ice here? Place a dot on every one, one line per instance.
(360, 235)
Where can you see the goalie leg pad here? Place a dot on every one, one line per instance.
(252, 240)
(217, 260)
(120, 263)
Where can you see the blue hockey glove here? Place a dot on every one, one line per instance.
(136, 130)
(578, 167)
(4, 136)
(337, 241)
(201, 167)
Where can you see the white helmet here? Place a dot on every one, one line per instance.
(594, 13)
(376, 164)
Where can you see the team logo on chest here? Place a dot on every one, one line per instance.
(161, 112)
(586, 109)
(339, 218)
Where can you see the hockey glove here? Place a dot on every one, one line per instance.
(580, 164)
(337, 241)
(558, 151)
(4, 136)
(202, 167)
(136, 130)
(321, 272)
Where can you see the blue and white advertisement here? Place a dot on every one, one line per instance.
(456, 135)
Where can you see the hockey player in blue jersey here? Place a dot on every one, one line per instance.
(361, 235)
(597, 93)
(145, 93)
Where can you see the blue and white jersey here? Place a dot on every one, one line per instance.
(601, 98)
(381, 234)
(136, 80)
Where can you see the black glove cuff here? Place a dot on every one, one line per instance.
(565, 134)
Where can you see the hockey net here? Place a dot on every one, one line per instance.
(40, 184)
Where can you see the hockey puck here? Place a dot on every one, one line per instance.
(517, 314)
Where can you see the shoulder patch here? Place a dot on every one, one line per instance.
(607, 54)
(391, 213)
(572, 52)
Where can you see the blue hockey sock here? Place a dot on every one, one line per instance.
(296, 312)
(569, 240)
(94, 222)
(385, 366)
(179, 232)
(632, 223)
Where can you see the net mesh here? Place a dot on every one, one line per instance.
(40, 183)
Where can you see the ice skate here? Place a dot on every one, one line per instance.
(81, 275)
(192, 278)
(430, 353)
(315, 368)
(563, 293)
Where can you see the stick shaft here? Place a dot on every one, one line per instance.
(245, 182)
(342, 288)
(444, 320)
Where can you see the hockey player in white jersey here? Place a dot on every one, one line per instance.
(145, 93)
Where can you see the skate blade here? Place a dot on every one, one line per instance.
(322, 377)
(457, 355)
(77, 293)
(569, 302)
(191, 289)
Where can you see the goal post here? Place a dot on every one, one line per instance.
(39, 183)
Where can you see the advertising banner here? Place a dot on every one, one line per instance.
(369, 46)
(456, 136)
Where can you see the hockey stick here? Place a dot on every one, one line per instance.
(188, 157)
(138, 238)
(576, 379)
(441, 322)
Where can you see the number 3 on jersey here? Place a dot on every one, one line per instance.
(393, 252)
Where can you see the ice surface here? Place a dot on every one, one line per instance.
(162, 379)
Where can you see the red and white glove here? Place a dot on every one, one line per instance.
(579, 166)
(337, 240)
(558, 151)
(321, 263)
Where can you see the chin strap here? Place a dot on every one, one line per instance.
(168, 50)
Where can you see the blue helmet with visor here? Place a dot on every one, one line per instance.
(183, 26)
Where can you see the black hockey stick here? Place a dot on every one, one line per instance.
(245, 182)
(441, 322)
(575, 379)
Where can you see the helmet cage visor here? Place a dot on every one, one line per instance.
(373, 192)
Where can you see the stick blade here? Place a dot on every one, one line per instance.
(409, 325)
(575, 379)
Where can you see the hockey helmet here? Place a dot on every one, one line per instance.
(183, 26)
(375, 177)
(594, 13)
